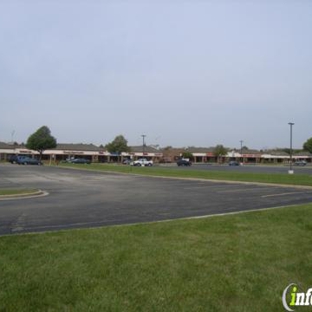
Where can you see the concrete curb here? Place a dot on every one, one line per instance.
(38, 193)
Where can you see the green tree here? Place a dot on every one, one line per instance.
(307, 146)
(118, 145)
(41, 140)
(220, 151)
(187, 155)
(294, 150)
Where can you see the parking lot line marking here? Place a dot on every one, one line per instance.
(244, 189)
(282, 194)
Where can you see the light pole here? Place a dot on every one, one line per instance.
(143, 136)
(12, 136)
(291, 152)
(241, 150)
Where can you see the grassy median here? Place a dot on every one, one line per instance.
(237, 262)
(275, 178)
(16, 191)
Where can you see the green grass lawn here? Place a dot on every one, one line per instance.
(16, 191)
(276, 178)
(237, 262)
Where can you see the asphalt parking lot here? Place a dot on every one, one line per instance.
(80, 199)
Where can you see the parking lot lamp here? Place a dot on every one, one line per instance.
(241, 150)
(290, 151)
(143, 136)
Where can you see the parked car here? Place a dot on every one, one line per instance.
(142, 162)
(233, 163)
(126, 161)
(80, 161)
(184, 162)
(13, 159)
(300, 163)
(25, 160)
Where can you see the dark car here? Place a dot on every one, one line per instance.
(184, 162)
(13, 159)
(126, 161)
(233, 163)
(80, 161)
(24, 160)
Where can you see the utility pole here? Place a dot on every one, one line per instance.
(12, 136)
(143, 136)
(241, 149)
(291, 171)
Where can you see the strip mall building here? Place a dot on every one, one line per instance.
(88, 151)
(169, 155)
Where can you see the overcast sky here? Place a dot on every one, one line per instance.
(184, 73)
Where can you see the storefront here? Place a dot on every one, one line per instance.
(87, 151)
